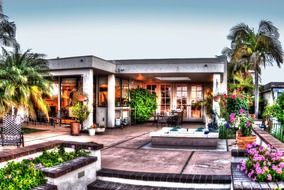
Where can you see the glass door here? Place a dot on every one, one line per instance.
(165, 105)
(181, 97)
(196, 98)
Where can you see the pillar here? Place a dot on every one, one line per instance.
(216, 91)
(89, 92)
(111, 101)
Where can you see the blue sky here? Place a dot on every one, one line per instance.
(118, 29)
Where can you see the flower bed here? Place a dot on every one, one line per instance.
(263, 164)
(33, 166)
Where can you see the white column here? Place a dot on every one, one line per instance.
(88, 90)
(216, 91)
(111, 101)
(216, 84)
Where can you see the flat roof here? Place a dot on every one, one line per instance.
(218, 59)
(271, 85)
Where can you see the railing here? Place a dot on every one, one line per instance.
(277, 131)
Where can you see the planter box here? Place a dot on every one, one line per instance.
(72, 175)
(241, 181)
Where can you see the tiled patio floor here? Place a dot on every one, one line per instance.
(123, 151)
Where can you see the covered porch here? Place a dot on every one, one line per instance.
(179, 84)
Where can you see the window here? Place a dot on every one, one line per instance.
(68, 87)
(152, 88)
(117, 92)
(52, 100)
(103, 88)
(181, 97)
(165, 105)
(121, 92)
(125, 93)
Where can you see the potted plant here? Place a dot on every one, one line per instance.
(243, 124)
(80, 112)
(101, 129)
(92, 130)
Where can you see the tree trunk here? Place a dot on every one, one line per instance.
(256, 95)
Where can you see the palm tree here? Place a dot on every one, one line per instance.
(7, 29)
(23, 82)
(256, 49)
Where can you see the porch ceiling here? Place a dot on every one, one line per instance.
(194, 77)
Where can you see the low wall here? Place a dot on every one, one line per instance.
(264, 138)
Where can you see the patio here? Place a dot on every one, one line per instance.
(123, 150)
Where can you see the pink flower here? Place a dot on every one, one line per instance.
(248, 123)
(279, 170)
(242, 111)
(269, 177)
(234, 96)
(232, 117)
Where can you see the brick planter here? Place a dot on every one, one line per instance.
(241, 181)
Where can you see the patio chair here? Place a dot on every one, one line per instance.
(172, 121)
(161, 120)
(11, 132)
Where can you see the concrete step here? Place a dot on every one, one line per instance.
(106, 185)
(127, 179)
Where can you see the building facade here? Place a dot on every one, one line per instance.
(271, 91)
(179, 84)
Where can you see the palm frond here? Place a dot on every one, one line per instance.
(267, 28)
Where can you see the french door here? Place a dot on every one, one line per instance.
(181, 98)
(196, 99)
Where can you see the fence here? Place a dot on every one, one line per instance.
(277, 131)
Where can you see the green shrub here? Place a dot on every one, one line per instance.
(20, 176)
(56, 157)
(144, 104)
(80, 111)
(226, 132)
(276, 110)
(235, 103)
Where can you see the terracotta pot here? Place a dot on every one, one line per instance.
(81, 98)
(242, 141)
(75, 128)
(252, 116)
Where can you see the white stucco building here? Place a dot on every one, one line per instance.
(177, 83)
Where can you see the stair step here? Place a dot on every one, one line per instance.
(105, 185)
(165, 177)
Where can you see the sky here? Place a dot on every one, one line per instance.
(135, 29)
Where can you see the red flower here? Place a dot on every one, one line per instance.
(234, 96)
